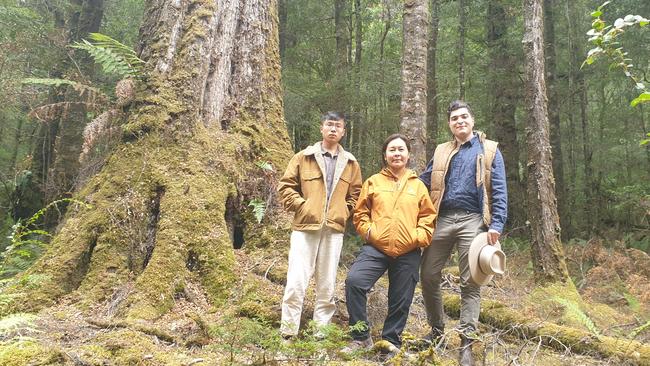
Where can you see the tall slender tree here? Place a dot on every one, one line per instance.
(432, 86)
(547, 251)
(413, 111)
(554, 110)
(462, 24)
(503, 102)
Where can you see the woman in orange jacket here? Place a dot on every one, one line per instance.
(395, 216)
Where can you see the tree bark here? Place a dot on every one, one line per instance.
(171, 203)
(462, 19)
(282, 15)
(432, 87)
(547, 252)
(413, 108)
(503, 104)
(554, 112)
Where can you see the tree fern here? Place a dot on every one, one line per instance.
(114, 57)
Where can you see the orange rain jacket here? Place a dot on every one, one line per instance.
(395, 216)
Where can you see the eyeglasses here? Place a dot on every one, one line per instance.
(337, 125)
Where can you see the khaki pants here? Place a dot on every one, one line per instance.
(312, 253)
(454, 228)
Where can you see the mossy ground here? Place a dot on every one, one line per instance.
(202, 332)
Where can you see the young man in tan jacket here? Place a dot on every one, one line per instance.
(321, 186)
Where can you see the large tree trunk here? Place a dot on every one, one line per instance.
(547, 252)
(170, 203)
(413, 108)
(554, 112)
(432, 87)
(503, 104)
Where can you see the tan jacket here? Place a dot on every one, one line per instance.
(303, 189)
(441, 160)
(399, 215)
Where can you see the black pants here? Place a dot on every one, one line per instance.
(403, 275)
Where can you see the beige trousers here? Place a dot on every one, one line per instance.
(312, 253)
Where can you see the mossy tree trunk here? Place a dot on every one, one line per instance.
(413, 108)
(547, 250)
(171, 202)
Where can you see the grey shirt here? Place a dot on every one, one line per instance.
(330, 167)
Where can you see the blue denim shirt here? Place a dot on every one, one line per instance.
(461, 191)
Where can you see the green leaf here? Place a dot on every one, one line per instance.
(596, 13)
(265, 165)
(642, 98)
(259, 208)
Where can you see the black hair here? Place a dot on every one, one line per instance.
(332, 116)
(390, 138)
(458, 104)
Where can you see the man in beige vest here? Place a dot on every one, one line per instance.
(320, 186)
(467, 181)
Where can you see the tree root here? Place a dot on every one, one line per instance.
(556, 336)
(158, 333)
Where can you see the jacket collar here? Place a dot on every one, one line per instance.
(317, 148)
(474, 139)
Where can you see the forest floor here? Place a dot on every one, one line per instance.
(614, 284)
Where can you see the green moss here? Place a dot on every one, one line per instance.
(19, 352)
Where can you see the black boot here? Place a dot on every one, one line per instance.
(466, 358)
(434, 336)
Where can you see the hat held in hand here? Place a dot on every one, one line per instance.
(485, 260)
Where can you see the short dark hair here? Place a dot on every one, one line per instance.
(458, 104)
(332, 116)
(390, 138)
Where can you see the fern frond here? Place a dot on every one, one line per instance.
(90, 94)
(49, 81)
(114, 57)
(573, 309)
(259, 209)
(638, 330)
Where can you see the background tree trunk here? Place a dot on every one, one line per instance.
(342, 41)
(171, 203)
(554, 112)
(547, 252)
(503, 104)
(432, 87)
(580, 90)
(413, 111)
(462, 20)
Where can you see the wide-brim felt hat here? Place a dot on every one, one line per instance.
(485, 260)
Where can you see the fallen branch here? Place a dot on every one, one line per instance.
(552, 335)
(158, 333)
